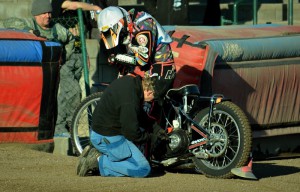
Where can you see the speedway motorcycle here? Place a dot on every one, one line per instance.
(211, 133)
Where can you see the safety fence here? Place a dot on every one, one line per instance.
(77, 26)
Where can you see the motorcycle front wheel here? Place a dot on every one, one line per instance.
(231, 124)
(81, 122)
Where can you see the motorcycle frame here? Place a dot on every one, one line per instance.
(182, 111)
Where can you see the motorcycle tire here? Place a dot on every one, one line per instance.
(230, 118)
(81, 122)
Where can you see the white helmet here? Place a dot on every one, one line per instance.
(112, 22)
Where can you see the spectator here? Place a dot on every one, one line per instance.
(41, 24)
(69, 95)
(65, 12)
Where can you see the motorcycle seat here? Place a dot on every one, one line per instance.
(190, 90)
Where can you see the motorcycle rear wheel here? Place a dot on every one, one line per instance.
(81, 122)
(239, 140)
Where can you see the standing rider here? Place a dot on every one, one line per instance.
(138, 39)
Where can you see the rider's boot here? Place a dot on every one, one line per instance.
(89, 163)
(81, 158)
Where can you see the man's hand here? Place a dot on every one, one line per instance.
(159, 139)
(159, 133)
(162, 135)
(75, 31)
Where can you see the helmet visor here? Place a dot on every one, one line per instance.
(110, 36)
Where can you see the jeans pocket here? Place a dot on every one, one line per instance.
(119, 150)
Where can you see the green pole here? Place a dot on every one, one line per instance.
(235, 12)
(84, 53)
(290, 22)
(222, 20)
(254, 12)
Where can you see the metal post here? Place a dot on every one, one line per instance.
(222, 20)
(290, 11)
(84, 53)
(254, 12)
(235, 12)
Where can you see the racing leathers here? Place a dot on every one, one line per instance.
(149, 44)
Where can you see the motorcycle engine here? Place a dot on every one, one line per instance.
(178, 144)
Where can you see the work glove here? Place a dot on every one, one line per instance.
(159, 141)
(159, 133)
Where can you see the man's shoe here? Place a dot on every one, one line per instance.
(90, 163)
(82, 157)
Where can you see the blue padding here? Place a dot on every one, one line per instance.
(20, 51)
(256, 48)
(52, 44)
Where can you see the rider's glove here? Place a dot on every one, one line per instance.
(125, 59)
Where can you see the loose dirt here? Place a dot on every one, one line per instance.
(24, 168)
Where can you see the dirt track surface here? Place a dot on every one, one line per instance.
(26, 169)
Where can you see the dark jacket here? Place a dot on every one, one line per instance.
(119, 110)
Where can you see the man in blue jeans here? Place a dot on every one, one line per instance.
(116, 130)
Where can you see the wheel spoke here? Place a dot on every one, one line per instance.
(230, 140)
(231, 149)
(223, 119)
(81, 123)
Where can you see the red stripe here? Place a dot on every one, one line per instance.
(22, 137)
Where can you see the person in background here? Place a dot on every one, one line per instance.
(69, 94)
(41, 25)
(66, 12)
(65, 5)
(116, 130)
